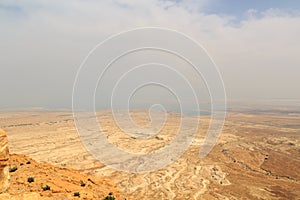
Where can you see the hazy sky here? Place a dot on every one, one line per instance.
(255, 43)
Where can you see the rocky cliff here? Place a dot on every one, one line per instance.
(4, 162)
(22, 178)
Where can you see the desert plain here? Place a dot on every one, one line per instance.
(256, 157)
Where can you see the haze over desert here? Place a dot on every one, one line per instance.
(150, 100)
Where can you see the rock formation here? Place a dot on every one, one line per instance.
(24, 178)
(4, 162)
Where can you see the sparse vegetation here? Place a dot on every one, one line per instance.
(82, 184)
(13, 169)
(110, 197)
(47, 187)
(76, 194)
(30, 179)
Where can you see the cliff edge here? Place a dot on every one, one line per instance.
(4, 162)
(22, 178)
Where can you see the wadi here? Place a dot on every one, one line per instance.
(257, 156)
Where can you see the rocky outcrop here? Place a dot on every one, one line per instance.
(43, 181)
(24, 178)
(4, 162)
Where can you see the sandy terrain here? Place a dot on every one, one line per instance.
(257, 155)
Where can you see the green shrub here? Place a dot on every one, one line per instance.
(109, 197)
(13, 169)
(82, 184)
(47, 187)
(30, 179)
(76, 194)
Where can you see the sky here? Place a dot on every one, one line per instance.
(239, 8)
(254, 43)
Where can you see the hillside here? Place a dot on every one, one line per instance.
(29, 179)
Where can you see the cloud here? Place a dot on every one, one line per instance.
(259, 58)
(43, 43)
